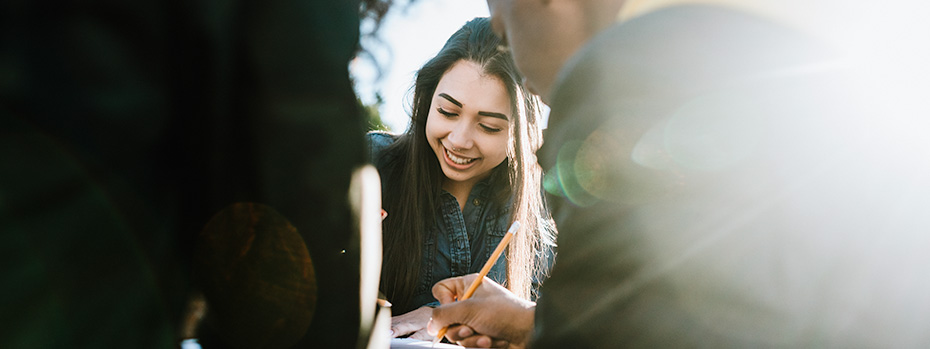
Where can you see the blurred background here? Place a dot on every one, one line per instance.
(414, 30)
(412, 33)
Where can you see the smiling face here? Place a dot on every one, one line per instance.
(468, 126)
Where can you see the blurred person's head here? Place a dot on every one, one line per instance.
(544, 34)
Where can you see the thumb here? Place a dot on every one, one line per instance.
(445, 315)
(451, 289)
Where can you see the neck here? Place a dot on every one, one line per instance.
(460, 190)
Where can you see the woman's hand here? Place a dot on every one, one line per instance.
(412, 323)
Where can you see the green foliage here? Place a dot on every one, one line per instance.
(373, 115)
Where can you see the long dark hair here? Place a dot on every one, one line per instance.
(415, 176)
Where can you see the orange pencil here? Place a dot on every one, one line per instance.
(484, 271)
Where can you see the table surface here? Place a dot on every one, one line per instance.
(407, 343)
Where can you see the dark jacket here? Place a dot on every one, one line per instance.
(459, 241)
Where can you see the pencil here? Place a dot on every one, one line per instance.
(484, 271)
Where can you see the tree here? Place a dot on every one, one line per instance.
(373, 114)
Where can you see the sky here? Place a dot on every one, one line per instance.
(409, 36)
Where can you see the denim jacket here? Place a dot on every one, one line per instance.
(460, 241)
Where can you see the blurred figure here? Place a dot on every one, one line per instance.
(461, 174)
(127, 126)
(721, 177)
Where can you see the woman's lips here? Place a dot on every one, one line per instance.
(457, 161)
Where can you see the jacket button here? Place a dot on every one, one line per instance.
(477, 203)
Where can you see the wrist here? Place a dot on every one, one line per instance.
(525, 322)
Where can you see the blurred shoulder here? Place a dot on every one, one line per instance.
(378, 141)
(382, 138)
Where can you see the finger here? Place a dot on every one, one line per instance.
(401, 329)
(396, 333)
(453, 289)
(448, 290)
(432, 327)
(464, 331)
(422, 335)
(482, 341)
(459, 332)
(445, 315)
(499, 343)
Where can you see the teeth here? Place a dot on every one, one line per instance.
(458, 160)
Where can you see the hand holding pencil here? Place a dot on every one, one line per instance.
(494, 311)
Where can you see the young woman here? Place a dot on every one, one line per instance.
(463, 171)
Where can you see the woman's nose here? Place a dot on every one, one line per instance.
(460, 136)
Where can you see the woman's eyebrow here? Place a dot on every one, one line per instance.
(443, 95)
(482, 113)
(494, 115)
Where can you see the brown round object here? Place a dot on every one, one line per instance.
(257, 277)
